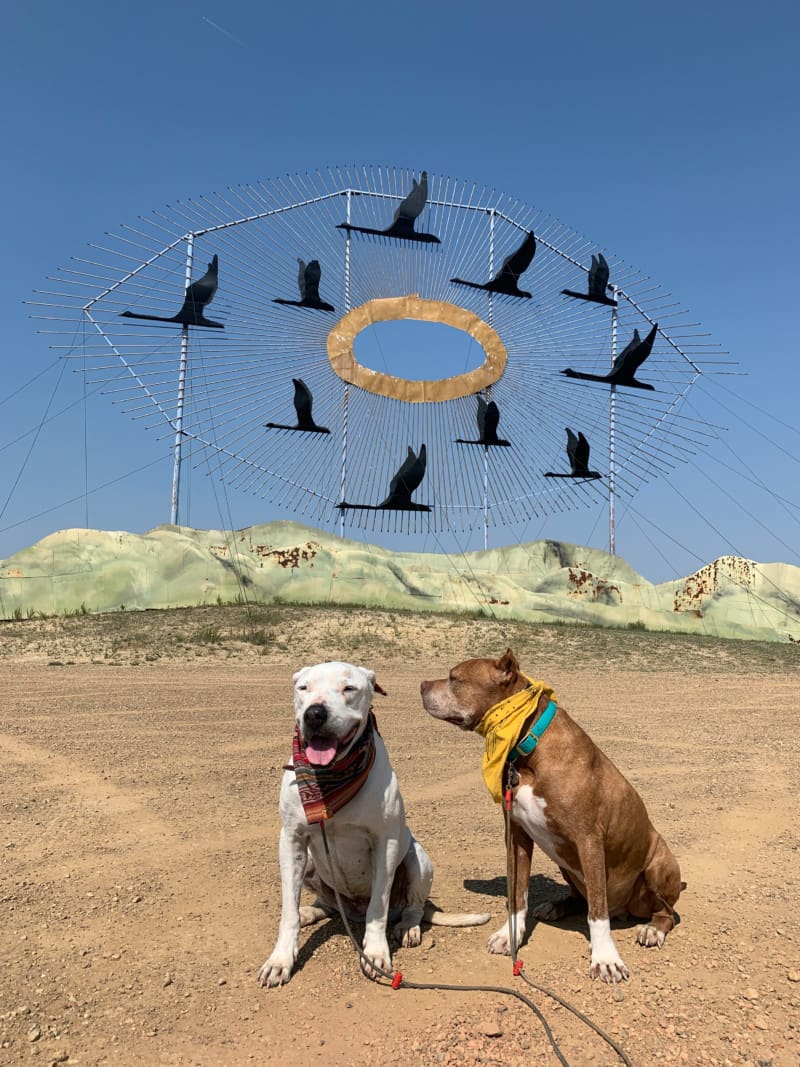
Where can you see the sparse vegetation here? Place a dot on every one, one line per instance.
(208, 635)
(80, 610)
(21, 613)
(256, 637)
(323, 631)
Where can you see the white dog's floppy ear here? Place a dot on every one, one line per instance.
(373, 681)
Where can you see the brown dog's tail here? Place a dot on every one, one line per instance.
(436, 917)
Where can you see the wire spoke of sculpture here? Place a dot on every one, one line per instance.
(234, 391)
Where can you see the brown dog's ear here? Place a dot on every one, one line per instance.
(507, 666)
(379, 689)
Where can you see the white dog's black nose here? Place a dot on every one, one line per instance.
(314, 716)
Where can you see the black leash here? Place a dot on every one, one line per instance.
(511, 876)
(399, 981)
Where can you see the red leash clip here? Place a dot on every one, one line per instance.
(518, 965)
(508, 798)
(397, 980)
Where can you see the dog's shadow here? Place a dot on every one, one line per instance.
(333, 926)
(319, 934)
(542, 888)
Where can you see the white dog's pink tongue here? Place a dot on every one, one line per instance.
(319, 753)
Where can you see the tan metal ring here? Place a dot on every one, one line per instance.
(344, 363)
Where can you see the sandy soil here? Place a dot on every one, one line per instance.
(138, 825)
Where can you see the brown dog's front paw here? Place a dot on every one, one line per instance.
(606, 963)
(499, 945)
(610, 972)
(500, 941)
(650, 936)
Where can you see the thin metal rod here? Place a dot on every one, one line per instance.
(184, 359)
(346, 397)
(486, 450)
(612, 426)
(265, 214)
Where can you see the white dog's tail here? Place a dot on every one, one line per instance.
(436, 917)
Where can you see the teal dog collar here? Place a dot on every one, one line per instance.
(533, 736)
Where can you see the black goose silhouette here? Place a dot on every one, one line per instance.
(404, 483)
(598, 283)
(506, 279)
(402, 225)
(302, 405)
(308, 277)
(625, 365)
(198, 296)
(488, 416)
(578, 456)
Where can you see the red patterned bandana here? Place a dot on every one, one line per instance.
(324, 790)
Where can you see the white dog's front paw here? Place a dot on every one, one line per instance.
(277, 970)
(650, 936)
(378, 957)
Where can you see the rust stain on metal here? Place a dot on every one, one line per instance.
(707, 581)
(289, 558)
(584, 584)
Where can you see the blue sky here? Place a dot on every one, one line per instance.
(667, 134)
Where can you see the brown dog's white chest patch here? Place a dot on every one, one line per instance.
(530, 812)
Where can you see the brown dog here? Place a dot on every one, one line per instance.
(570, 800)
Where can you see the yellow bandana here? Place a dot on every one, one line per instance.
(501, 726)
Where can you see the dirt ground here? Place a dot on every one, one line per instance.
(139, 887)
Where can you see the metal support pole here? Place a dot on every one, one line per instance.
(346, 397)
(611, 434)
(184, 359)
(488, 395)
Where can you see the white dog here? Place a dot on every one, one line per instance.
(340, 768)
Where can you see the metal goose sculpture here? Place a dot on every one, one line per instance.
(507, 278)
(597, 283)
(626, 364)
(308, 279)
(408, 211)
(405, 482)
(488, 417)
(198, 296)
(578, 456)
(303, 401)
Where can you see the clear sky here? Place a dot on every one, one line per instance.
(666, 133)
